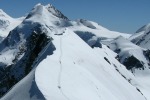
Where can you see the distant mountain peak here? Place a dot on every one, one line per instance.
(3, 14)
(144, 28)
(1, 10)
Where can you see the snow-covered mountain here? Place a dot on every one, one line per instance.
(142, 37)
(7, 23)
(82, 26)
(49, 57)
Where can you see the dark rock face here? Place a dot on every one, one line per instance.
(30, 51)
(147, 54)
(117, 51)
(132, 62)
(107, 60)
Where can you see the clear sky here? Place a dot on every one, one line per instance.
(118, 15)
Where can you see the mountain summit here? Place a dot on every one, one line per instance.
(41, 10)
(3, 14)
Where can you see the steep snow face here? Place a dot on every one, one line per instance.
(142, 37)
(7, 23)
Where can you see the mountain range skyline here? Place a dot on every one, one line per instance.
(116, 15)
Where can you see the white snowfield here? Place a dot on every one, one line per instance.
(75, 71)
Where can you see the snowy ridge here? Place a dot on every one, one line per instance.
(49, 57)
(90, 24)
(82, 26)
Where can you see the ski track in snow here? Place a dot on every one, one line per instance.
(96, 89)
(61, 68)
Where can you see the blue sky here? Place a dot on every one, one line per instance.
(118, 15)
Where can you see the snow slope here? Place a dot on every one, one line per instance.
(66, 66)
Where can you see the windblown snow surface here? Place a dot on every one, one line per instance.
(80, 67)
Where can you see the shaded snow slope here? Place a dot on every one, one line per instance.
(26, 89)
(142, 37)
